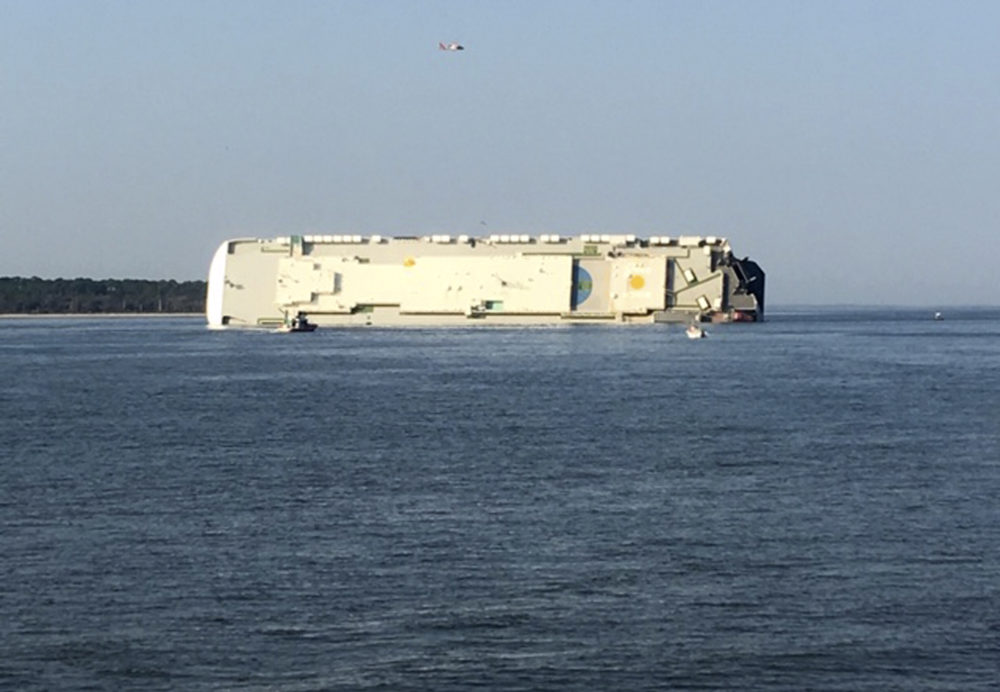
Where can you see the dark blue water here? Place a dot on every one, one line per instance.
(809, 503)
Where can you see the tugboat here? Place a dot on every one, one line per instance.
(299, 323)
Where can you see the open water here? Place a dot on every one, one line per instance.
(805, 504)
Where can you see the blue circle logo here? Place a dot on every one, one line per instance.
(583, 285)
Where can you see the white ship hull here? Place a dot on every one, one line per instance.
(502, 279)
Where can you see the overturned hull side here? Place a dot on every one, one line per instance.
(508, 279)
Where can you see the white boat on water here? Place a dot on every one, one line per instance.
(695, 332)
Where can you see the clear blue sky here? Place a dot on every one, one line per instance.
(853, 148)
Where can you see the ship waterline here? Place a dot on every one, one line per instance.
(505, 279)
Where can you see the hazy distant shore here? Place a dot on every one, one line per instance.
(21, 295)
(92, 315)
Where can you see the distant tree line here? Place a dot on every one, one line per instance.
(74, 296)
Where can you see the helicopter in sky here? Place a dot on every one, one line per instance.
(450, 46)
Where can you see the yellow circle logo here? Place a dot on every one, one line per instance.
(636, 282)
(409, 262)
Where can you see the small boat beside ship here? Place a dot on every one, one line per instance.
(695, 332)
(299, 323)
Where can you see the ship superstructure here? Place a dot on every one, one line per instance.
(499, 279)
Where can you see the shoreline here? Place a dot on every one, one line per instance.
(94, 315)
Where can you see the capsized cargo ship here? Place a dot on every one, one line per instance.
(501, 279)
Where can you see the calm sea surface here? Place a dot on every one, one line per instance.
(808, 503)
